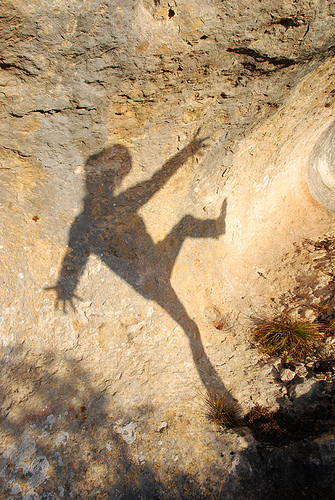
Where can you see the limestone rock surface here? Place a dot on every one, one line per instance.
(166, 178)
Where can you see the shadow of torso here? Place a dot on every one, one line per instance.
(113, 230)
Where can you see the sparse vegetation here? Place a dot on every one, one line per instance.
(283, 336)
(223, 410)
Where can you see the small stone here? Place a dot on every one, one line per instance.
(109, 445)
(127, 432)
(309, 386)
(309, 314)
(62, 438)
(163, 425)
(301, 371)
(287, 375)
(277, 364)
(276, 368)
(310, 247)
(16, 489)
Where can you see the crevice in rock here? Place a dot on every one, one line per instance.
(279, 62)
(289, 22)
(52, 111)
(18, 152)
(12, 66)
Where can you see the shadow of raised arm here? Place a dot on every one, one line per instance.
(142, 192)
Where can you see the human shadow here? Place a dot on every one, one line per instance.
(110, 227)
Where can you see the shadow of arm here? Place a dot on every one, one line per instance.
(143, 191)
(73, 266)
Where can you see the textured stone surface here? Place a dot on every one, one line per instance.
(320, 172)
(155, 186)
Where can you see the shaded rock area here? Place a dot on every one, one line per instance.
(166, 181)
(290, 472)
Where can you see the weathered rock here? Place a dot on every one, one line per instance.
(321, 180)
(287, 375)
(164, 238)
(301, 370)
(307, 389)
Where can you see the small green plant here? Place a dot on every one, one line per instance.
(283, 336)
(223, 410)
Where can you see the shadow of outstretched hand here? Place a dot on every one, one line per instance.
(64, 298)
(196, 142)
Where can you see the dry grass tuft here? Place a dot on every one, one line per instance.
(285, 336)
(223, 410)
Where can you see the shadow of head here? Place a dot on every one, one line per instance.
(106, 170)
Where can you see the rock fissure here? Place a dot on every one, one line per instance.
(52, 111)
(9, 66)
(166, 179)
(283, 62)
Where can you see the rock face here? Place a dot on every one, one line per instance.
(163, 165)
(321, 169)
